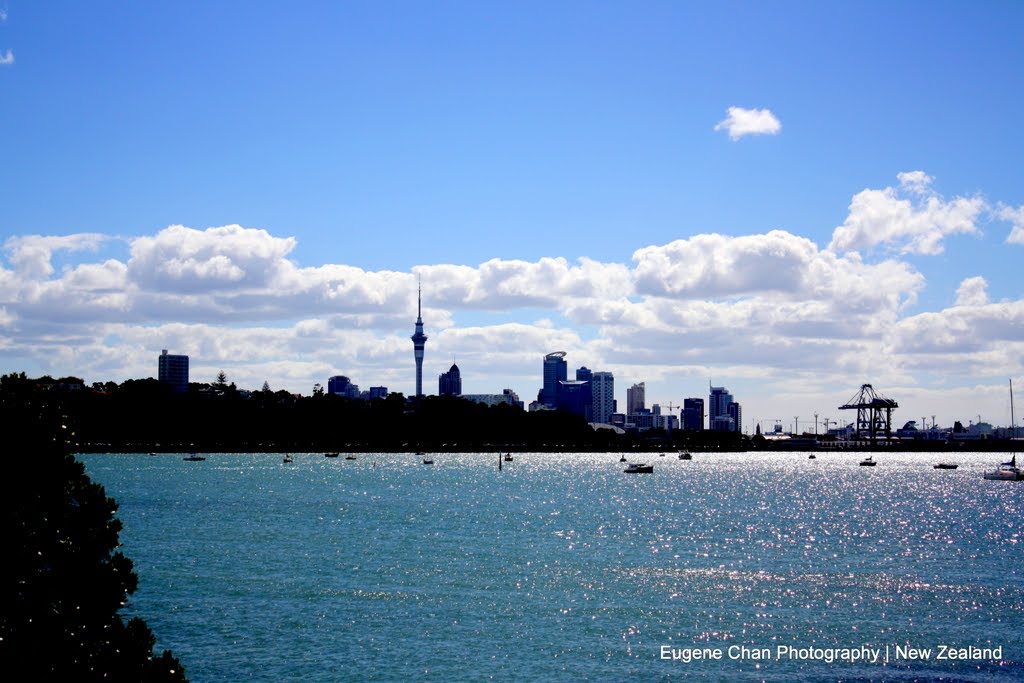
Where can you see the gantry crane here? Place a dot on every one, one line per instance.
(874, 412)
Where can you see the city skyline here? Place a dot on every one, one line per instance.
(747, 196)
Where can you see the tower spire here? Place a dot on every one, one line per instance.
(419, 340)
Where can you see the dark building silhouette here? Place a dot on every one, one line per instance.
(172, 370)
(555, 371)
(693, 414)
(450, 383)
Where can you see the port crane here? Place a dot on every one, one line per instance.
(874, 412)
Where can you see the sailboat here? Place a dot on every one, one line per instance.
(1007, 471)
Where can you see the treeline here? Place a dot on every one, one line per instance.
(145, 416)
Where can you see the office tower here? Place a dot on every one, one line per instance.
(450, 383)
(378, 392)
(719, 419)
(419, 341)
(574, 397)
(693, 414)
(172, 370)
(736, 413)
(340, 385)
(635, 399)
(555, 371)
(602, 395)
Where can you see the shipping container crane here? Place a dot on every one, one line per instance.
(874, 412)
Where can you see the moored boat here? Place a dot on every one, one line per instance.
(945, 466)
(1007, 471)
(193, 457)
(868, 461)
(638, 468)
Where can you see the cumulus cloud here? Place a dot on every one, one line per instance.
(7, 58)
(31, 254)
(1016, 218)
(777, 263)
(181, 259)
(911, 218)
(972, 292)
(740, 122)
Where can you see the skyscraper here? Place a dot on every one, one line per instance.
(602, 393)
(172, 370)
(635, 399)
(450, 383)
(419, 341)
(555, 370)
(693, 414)
(719, 419)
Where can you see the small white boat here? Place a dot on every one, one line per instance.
(868, 461)
(193, 457)
(638, 468)
(288, 459)
(428, 461)
(1007, 471)
(685, 455)
(350, 456)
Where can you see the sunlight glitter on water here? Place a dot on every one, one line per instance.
(383, 567)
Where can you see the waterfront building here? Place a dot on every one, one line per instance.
(693, 414)
(378, 392)
(419, 342)
(450, 383)
(635, 399)
(555, 371)
(172, 370)
(602, 395)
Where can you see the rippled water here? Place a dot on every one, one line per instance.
(561, 567)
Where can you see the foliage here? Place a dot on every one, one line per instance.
(63, 580)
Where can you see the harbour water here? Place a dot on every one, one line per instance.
(562, 567)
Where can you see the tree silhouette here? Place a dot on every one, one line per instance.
(64, 582)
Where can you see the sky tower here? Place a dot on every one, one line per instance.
(419, 340)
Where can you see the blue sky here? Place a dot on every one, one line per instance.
(362, 145)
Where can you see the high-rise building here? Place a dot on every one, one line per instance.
(450, 383)
(719, 419)
(736, 413)
(635, 399)
(555, 371)
(602, 396)
(340, 385)
(378, 392)
(574, 397)
(419, 342)
(172, 370)
(693, 414)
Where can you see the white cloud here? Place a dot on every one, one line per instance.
(7, 58)
(740, 122)
(911, 218)
(1016, 217)
(972, 292)
(30, 254)
(231, 258)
